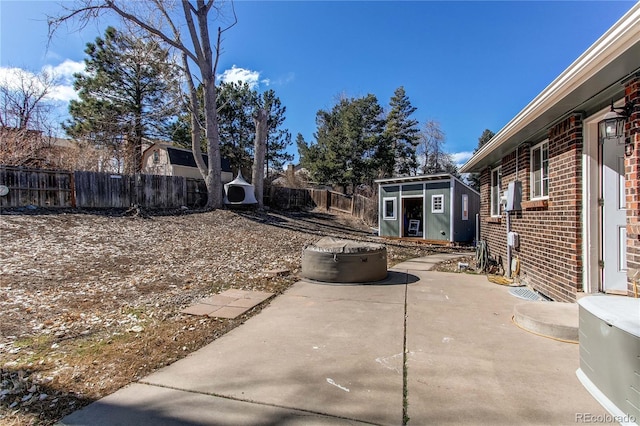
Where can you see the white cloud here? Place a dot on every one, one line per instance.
(62, 93)
(65, 70)
(461, 157)
(62, 74)
(11, 76)
(243, 75)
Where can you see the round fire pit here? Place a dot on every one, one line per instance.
(344, 261)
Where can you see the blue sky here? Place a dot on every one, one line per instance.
(468, 65)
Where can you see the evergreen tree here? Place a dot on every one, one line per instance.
(237, 103)
(349, 141)
(278, 138)
(125, 94)
(403, 135)
(474, 178)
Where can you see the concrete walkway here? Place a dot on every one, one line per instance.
(420, 348)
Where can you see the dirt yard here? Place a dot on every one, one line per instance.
(91, 302)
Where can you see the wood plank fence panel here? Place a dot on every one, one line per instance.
(103, 190)
(366, 209)
(320, 197)
(340, 202)
(196, 193)
(160, 192)
(290, 198)
(45, 188)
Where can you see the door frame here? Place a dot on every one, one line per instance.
(404, 233)
(592, 226)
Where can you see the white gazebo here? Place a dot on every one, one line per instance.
(239, 192)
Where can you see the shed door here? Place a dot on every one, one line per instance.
(614, 217)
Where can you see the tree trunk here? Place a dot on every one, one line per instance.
(260, 118)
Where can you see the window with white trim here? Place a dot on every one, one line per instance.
(540, 171)
(437, 203)
(465, 207)
(389, 208)
(496, 184)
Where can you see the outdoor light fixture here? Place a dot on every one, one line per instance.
(612, 125)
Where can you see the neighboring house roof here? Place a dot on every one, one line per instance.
(184, 157)
(421, 178)
(587, 85)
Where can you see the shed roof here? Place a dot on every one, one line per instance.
(421, 178)
(409, 179)
(586, 86)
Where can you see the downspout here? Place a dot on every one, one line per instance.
(380, 208)
(452, 212)
(400, 212)
(509, 254)
(509, 248)
(424, 211)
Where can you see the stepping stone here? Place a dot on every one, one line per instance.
(228, 304)
(228, 312)
(218, 300)
(200, 309)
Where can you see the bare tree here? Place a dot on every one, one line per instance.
(166, 20)
(431, 150)
(261, 120)
(23, 99)
(26, 130)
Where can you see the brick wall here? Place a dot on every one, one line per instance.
(550, 234)
(632, 170)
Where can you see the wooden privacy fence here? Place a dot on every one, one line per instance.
(290, 198)
(45, 188)
(100, 190)
(356, 205)
(55, 188)
(48, 188)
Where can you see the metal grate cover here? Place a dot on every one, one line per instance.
(525, 293)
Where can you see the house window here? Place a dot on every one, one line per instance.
(437, 203)
(540, 171)
(465, 207)
(496, 184)
(156, 157)
(389, 210)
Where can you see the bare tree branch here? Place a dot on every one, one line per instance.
(196, 18)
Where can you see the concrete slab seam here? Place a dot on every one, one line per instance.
(249, 401)
(405, 373)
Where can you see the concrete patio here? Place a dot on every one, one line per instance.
(420, 348)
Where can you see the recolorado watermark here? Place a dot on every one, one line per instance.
(604, 418)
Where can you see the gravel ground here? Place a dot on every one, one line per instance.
(91, 302)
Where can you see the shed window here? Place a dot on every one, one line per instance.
(389, 210)
(437, 203)
(496, 184)
(156, 157)
(465, 207)
(540, 170)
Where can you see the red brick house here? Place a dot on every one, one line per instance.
(575, 189)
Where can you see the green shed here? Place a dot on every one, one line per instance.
(439, 208)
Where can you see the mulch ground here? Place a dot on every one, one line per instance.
(90, 302)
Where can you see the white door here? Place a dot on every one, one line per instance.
(614, 217)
